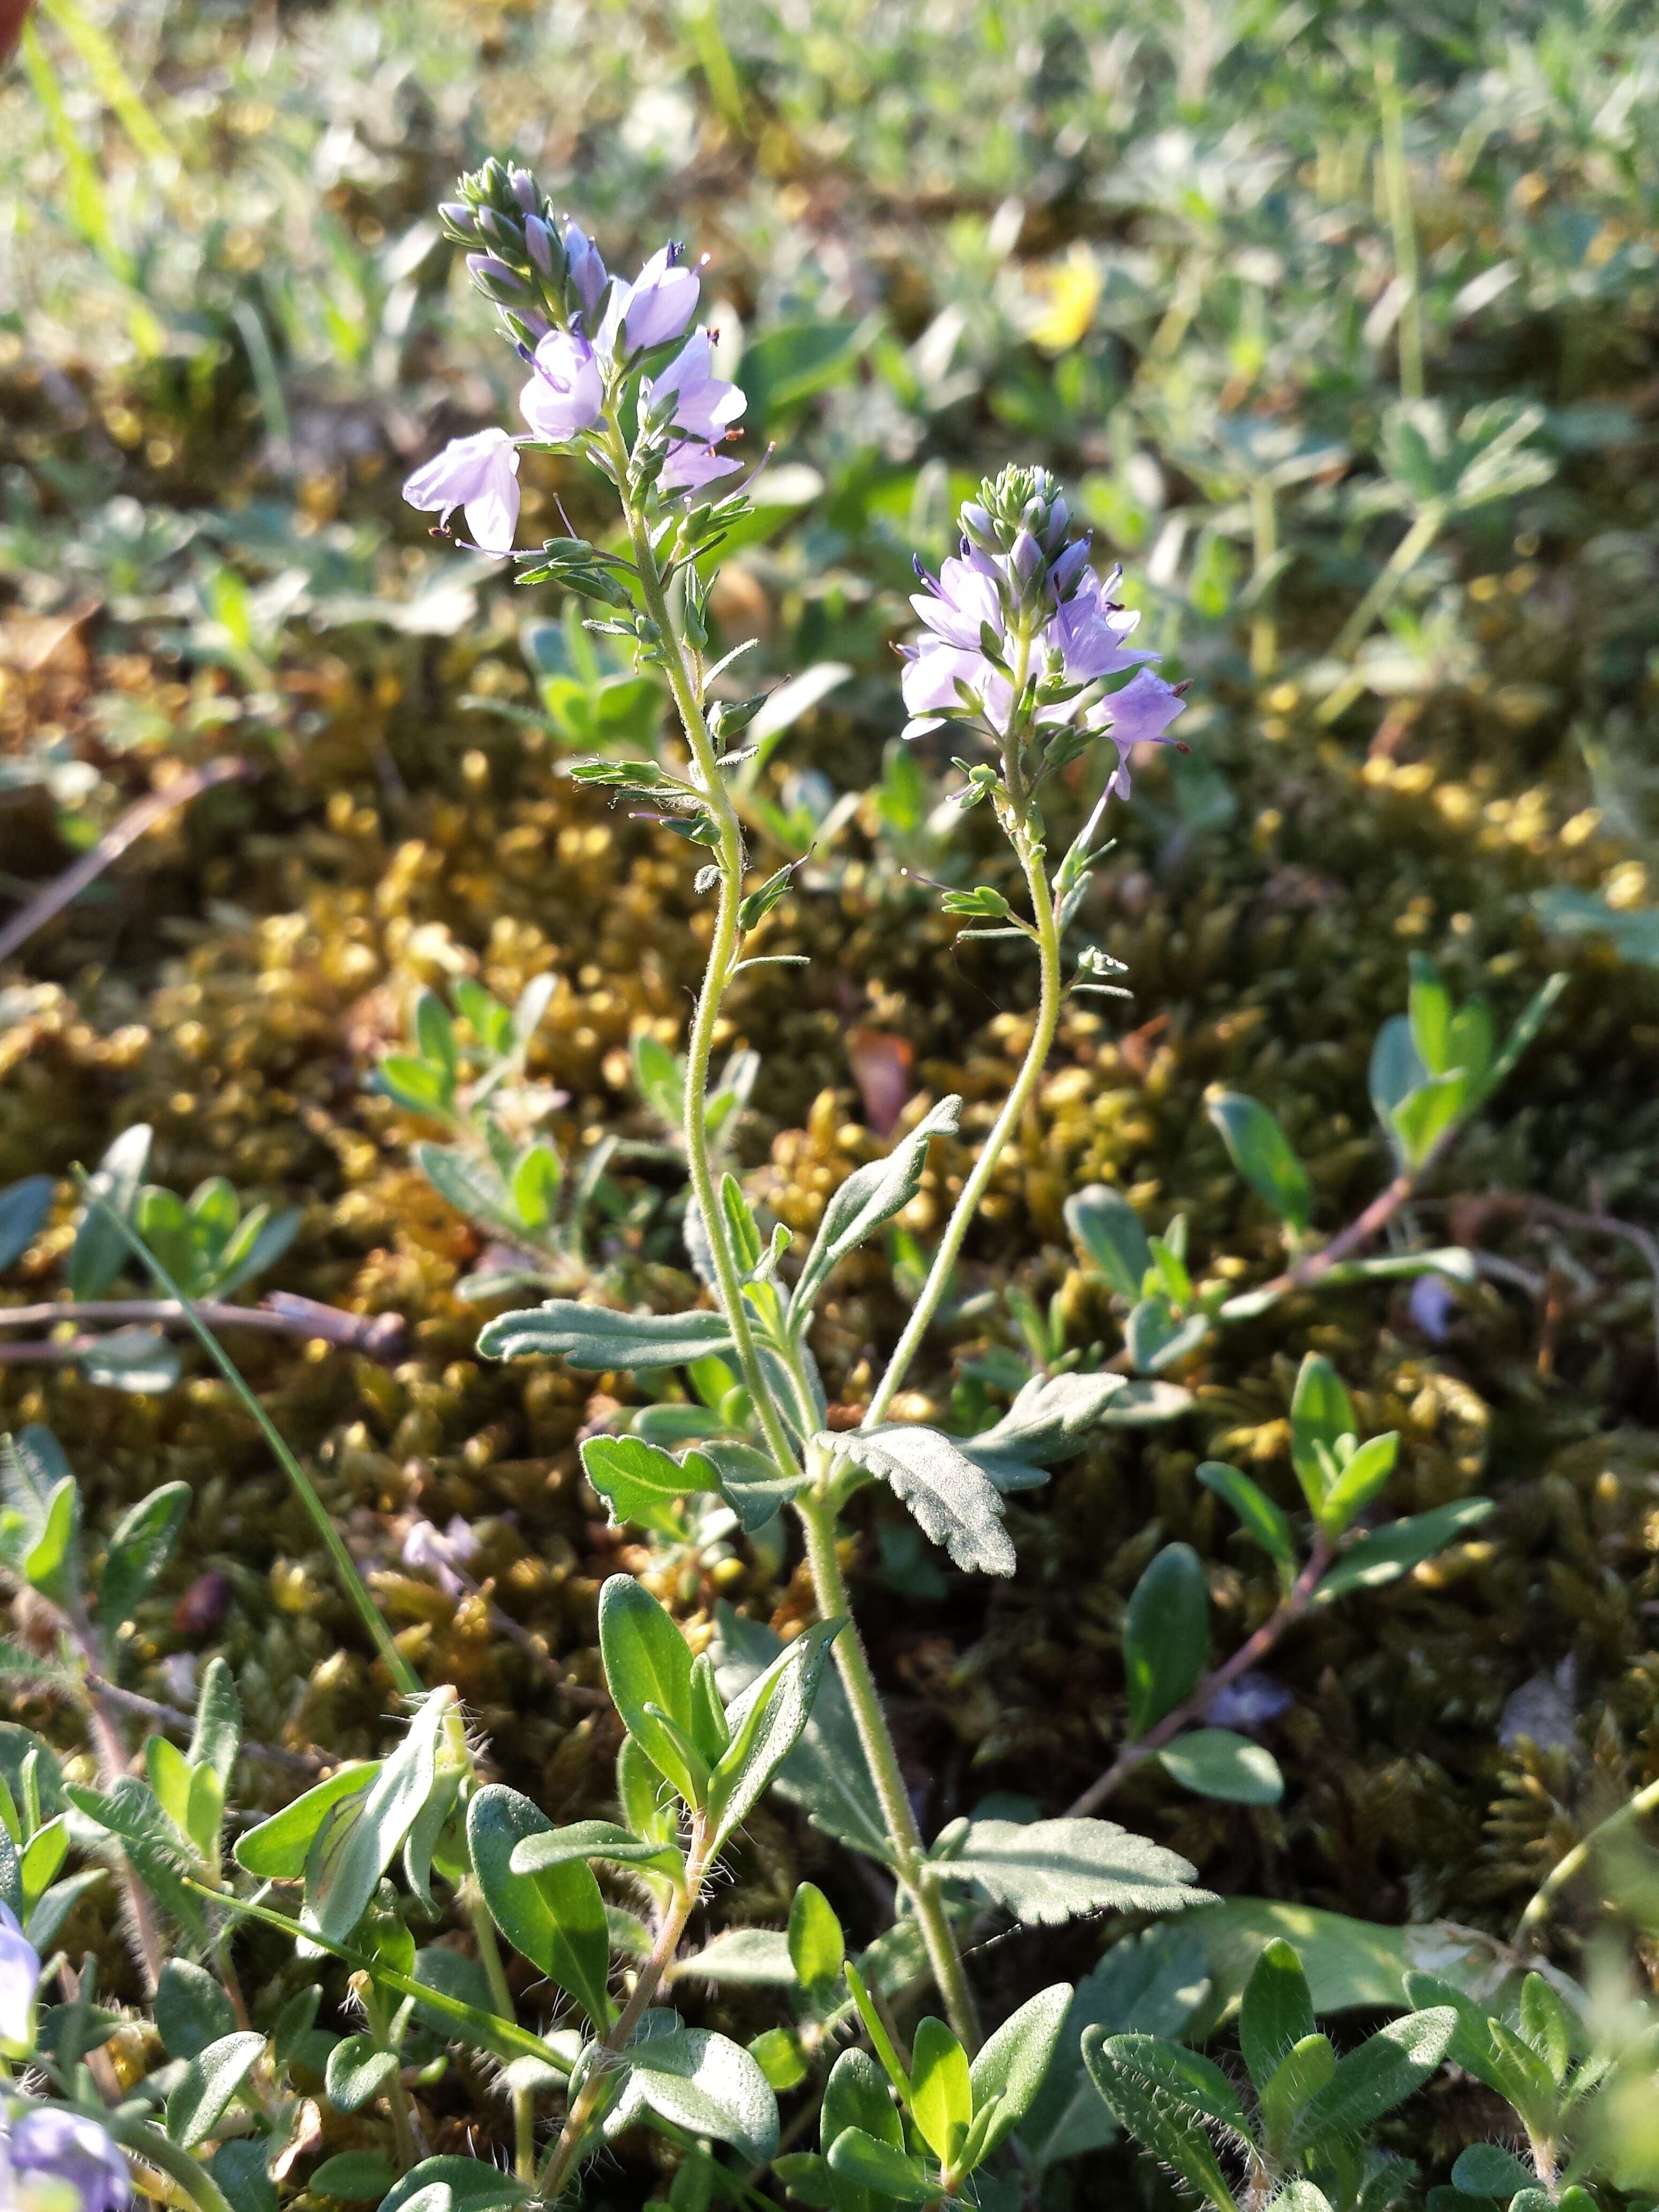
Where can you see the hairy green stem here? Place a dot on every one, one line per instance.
(684, 684)
(501, 1998)
(1401, 563)
(1031, 859)
(590, 2099)
(818, 1521)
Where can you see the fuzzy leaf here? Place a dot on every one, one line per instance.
(211, 2079)
(275, 1850)
(1371, 2081)
(642, 1483)
(191, 2010)
(1277, 2011)
(701, 2082)
(1054, 1416)
(871, 1195)
(1166, 1636)
(341, 1879)
(1262, 1154)
(595, 1339)
(648, 1668)
(1046, 1871)
(1165, 2105)
(826, 1774)
(1256, 1511)
(881, 2168)
(358, 2069)
(952, 1500)
(766, 1723)
(139, 1551)
(1013, 2063)
(555, 1918)
(1107, 1228)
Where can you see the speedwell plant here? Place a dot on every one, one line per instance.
(1027, 659)
(1021, 638)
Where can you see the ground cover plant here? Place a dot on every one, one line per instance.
(830, 1328)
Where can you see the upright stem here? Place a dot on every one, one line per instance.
(589, 2101)
(818, 1521)
(1264, 525)
(686, 691)
(1031, 859)
(501, 1998)
(1396, 184)
(1404, 558)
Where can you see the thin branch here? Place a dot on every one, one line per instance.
(132, 825)
(380, 1336)
(151, 1709)
(1289, 1609)
(1586, 1224)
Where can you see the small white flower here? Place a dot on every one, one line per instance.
(479, 474)
(441, 1550)
(19, 1977)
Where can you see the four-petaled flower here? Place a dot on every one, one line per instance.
(658, 305)
(1089, 629)
(566, 391)
(19, 1977)
(479, 474)
(55, 2162)
(705, 405)
(1139, 714)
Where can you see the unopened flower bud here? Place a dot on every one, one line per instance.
(502, 232)
(458, 220)
(524, 189)
(538, 243)
(494, 278)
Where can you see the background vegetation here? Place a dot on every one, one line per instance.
(1340, 324)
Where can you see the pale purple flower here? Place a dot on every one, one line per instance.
(1139, 714)
(955, 608)
(1433, 1307)
(588, 274)
(1088, 631)
(705, 405)
(441, 1550)
(656, 306)
(62, 2163)
(566, 392)
(690, 464)
(479, 474)
(19, 1977)
(1250, 1701)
